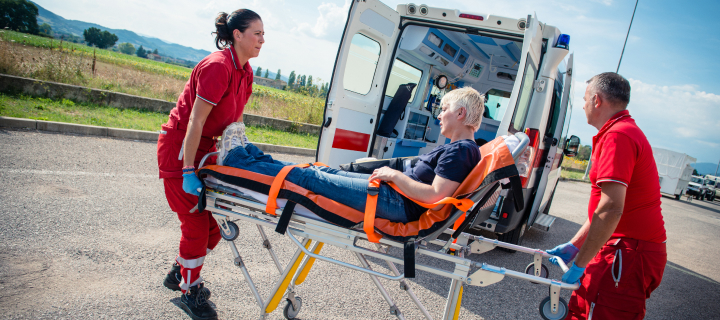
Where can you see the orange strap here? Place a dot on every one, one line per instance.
(370, 206)
(277, 184)
(462, 204)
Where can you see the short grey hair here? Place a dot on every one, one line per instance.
(471, 100)
(612, 87)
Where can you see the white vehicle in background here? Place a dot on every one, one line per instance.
(711, 185)
(696, 187)
(674, 170)
(394, 66)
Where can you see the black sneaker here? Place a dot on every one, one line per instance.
(195, 303)
(173, 278)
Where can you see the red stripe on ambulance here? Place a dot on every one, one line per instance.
(350, 140)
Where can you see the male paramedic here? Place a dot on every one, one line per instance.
(620, 250)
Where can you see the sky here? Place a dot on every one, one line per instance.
(669, 59)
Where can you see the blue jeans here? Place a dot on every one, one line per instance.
(347, 188)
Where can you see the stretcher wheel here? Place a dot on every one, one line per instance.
(546, 309)
(530, 269)
(289, 312)
(231, 234)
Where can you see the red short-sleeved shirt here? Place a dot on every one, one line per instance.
(622, 154)
(220, 80)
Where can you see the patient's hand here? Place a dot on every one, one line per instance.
(385, 174)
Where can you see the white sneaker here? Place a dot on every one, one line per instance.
(233, 136)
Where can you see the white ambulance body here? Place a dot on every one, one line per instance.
(522, 66)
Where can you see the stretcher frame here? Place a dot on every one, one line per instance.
(226, 208)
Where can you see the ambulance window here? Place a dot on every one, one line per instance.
(361, 64)
(566, 126)
(555, 109)
(496, 103)
(402, 73)
(523, 101)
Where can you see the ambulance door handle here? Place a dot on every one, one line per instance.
(327, 122)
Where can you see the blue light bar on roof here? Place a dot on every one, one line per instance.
(563, 41)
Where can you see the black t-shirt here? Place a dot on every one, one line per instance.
(453, 161)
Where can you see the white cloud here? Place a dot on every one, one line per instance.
(680, 116)
(329, 24)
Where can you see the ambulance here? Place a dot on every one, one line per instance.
(393, 67)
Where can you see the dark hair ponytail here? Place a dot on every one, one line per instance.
(225, 25)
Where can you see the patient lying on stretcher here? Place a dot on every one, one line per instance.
(434, 176)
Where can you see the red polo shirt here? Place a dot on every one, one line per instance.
(221, 81)
(621, 154)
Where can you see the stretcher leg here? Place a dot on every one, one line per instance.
(307, 265)
(268, 246)
(393, 308)
(285, 278)
(452, 307)
(238, 262)
(405, 286)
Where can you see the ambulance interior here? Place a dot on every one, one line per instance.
(430, 62)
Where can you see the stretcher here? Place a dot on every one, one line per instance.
(231, 194)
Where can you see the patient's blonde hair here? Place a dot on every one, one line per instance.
(471, 100)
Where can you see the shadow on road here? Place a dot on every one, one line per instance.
(684, 294)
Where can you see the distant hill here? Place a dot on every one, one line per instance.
(704, 168)
(60, 24)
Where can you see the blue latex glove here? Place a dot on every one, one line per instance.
(573, 275)
(191, 183)
(566, 251)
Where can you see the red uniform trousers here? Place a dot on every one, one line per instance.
(618, 280)
(200, 232)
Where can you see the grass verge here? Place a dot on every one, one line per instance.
(572, 175)
(91, 114)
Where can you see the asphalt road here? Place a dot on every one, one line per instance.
(86, 233)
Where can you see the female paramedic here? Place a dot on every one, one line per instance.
(434, 176)
(214, 97)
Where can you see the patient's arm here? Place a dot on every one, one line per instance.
(439, 189)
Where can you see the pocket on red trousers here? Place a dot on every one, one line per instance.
(611, 305)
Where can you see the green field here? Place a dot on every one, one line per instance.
(25, 55)
(91, 114)
(103, 55)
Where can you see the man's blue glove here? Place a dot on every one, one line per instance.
(566, 251)
(191, 183)
(573, 274)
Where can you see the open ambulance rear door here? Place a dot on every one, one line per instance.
(554, 138)
(357, 84)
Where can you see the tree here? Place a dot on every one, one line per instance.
(45, 30)
(126, 48)
(301, 82)
(19, 15)
(277, 76)
(155, 52)
(100, 39)
(140, 52)
(267, 73)
(309, 81)
(584, 152)
(695, 173)
(258, 72)
(291, 78)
